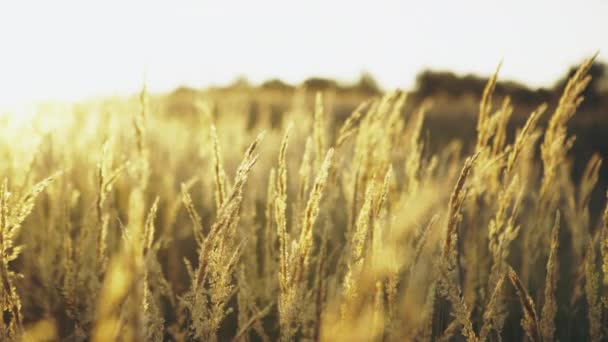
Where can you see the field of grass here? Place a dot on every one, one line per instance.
(117, 223)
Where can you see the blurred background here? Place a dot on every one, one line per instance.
(70, 50)
(266, 50)
(264, 53)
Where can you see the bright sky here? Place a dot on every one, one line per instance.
(70, 49)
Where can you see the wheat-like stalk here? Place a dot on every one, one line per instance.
(319, 130)
(493, 317)
(592, 287)
(485, 106)
(218, 168)
(547, 320)
(530, 320)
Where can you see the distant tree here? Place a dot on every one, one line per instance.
(430, 82)
(367, 84)
(276, 84)
(240, 82)
(181, 101)
(319, 84)
(184, 91)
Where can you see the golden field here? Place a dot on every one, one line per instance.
(117, 223)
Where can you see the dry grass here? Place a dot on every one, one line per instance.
(201, 228)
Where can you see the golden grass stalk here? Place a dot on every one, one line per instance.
(547, 320)
(25, 205)
(139, 127)
(530, 320)
(310, 216)
(592, 288)
(414, 157)
(125, 289)
(149, 228)
(320, 291)
(378, 313)
(493, 317)
(450, 274)
(499, 227)
(348, 127)
(502, 230)
(304, 183)
(252, 321)
(12, 215)
(394, 122)
(269, 235)
(485, 106)
(383, 195)
(296, 269)
(194, 216)
(456, 200)
(218, 171)
(102, 237)
(524, 136)
(504, 115)
(363, 222)
(555, 145)
(425, 329)
(577, 206)
(420, 241)
(9, 300)
(589, 181)
(451, 290)
(218, 257)
(120, 281)
(319, 130)
(229, 211)
(106, 180)
(280, 212)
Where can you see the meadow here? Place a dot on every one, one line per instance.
(118, 223)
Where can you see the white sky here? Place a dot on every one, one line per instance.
(69, 49)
